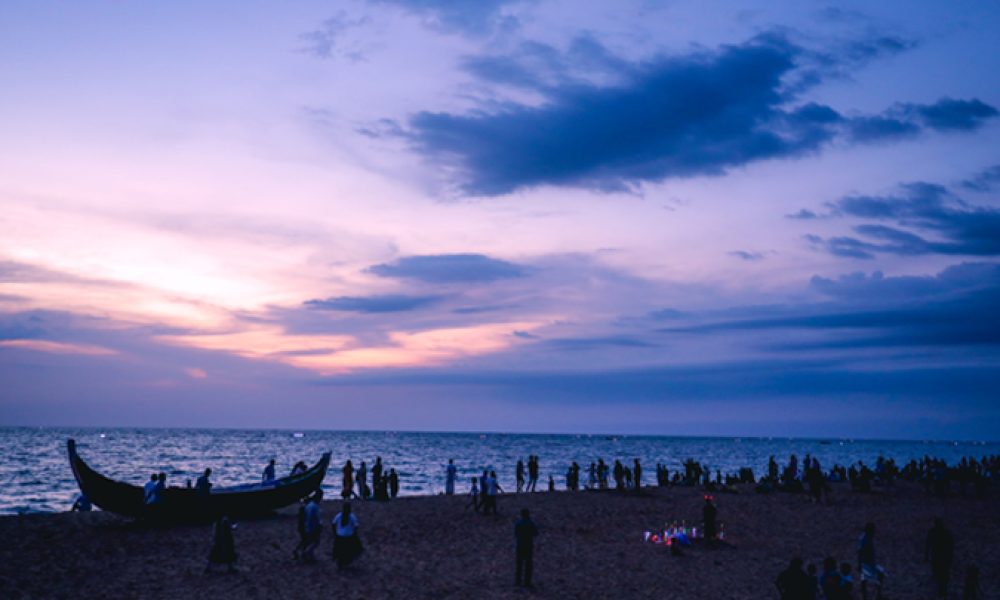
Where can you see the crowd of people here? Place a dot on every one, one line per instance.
(384, 482)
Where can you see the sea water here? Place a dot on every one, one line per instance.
(35, 475)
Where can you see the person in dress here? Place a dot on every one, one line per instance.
(223, 547)
(451, 472)
(346, 543)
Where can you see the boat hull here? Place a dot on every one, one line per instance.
(187, 504)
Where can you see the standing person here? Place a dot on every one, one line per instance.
(268, 474)
(474, 495)
(393, 483)
(223, 548)
(313, 527)
(346, 543)
(637, 475)
(592, 477)
(794, 584)
(149, 490)
(203, 486)
(493, 489)
(532, 472)
(708, 516)
(525, 532)
(301, 529)
(520, 475)
(619, 474)
(362, 479)
(377, 472)
(871, 572)
(449, 481)
(348, 487)
(940, 551)
(602, 473)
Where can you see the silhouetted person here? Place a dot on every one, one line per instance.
(313, 527)
(362, 479)
(532, 472)
(708, 516)
(552, 483)
(619, 474)
(940, 551)
(519, 472)
(161, 488)
(300, 467)
(493, 489)
(346, 543)
(348, 486)
(637, 475)
(223, 548)
(376, 472)
(268, 474)
(393, 483)
(474, 495)
(300, 527)
(451, 472)
(203, 486)
(149, 490)
(525, 532)
(794, 584)
(871, 573)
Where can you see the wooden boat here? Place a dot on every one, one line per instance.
(187, 504)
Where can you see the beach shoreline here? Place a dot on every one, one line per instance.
(432, 546)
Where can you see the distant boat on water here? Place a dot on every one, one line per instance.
(187, 504)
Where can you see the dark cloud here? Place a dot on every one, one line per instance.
(949, 114)
(471, 18)
(803, 214)
(958, 228)
(984, 181)
(373, 304)
(450, 268)
(595, 343)
(745, 255)
(697, 114)
(954, 308)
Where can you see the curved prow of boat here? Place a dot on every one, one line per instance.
(187, 504)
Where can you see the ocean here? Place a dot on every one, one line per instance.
(35, 475)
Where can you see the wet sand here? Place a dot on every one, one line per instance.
(590, 547)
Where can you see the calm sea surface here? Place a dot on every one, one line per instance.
(35, 474)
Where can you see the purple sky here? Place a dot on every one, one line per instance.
(774, 219)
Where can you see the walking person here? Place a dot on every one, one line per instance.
(520, 475)
(532, 472)
(525, 532)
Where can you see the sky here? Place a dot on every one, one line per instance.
(677, 218)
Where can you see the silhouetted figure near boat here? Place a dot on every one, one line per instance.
(223, 547)
(794, 584)
(872, 575)
(709, 513)
(393, 483)
(300, 528)
(203, 486)
(348, 486)
(81, 504)
(451, 472)
(268, 474)
(525, 532)
(313, 527)
(519, 472)
(300, 467)
(940, 552)
(346, 543)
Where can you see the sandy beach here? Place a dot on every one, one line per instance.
(590, 547)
